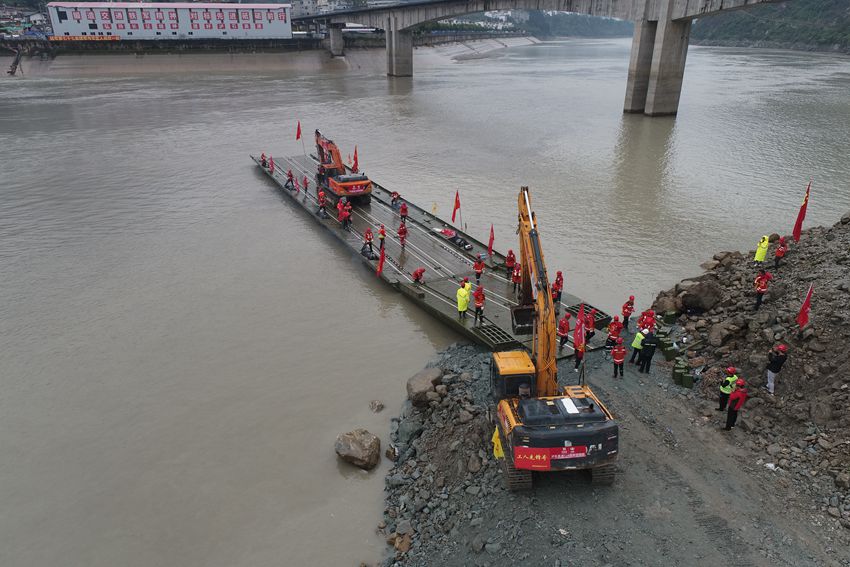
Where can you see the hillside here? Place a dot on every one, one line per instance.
(814, 24)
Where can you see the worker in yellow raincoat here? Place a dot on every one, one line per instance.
(463, 298)
(761, 249)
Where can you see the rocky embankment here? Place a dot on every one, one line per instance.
(802, 434)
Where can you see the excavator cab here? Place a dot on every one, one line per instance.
(509, 371)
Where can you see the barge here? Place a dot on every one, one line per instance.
(446, 252)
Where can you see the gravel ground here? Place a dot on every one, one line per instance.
(687, 493)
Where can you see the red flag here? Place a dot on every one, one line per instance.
(298, 132)
(490, 243)
(355, 167)
(798, 226)
(457, 205)
(803, 315)
(578, 334)
(381, 262)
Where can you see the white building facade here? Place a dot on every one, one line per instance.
(165, 20)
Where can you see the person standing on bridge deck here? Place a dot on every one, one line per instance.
(290, 180)
(579, 354)
(726, 387)
(781, 249)
(402, 234)
(263, 161)
(346, 218)
(737, 399)
(322, 204)
(637, 343)
(563, 330)
(271, 165)
(516, 276)
(479, 298)
(478, 268)
(394, 197)
(761, 250)
(340, 208)
(462, 300)
(403, 212)
(418, 275)
(647, 351)
(618, 355)
(628, 309)
(367, 240)
(306, 184)
(510, 262)
(557, 290)
(760, 285)
(382, 235)
(590, 325)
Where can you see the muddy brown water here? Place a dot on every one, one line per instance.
(180, 346)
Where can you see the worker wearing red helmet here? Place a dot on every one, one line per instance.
(367, 239)
(628, 309)
(589, 325)
(760, 285)
(402, 234)
(478, 268)
(263, 161)
(346, 215)
(323, 203)
(737, 399)
(781, 250)
(618, 354)
(563, 330)
(403, 212)
(510, 262)
(382, 235)
(614, 330)
(290, 180)
(340, 207)
(479, 299)
(306, 184)
(726, 387)
(516, 276)
(418, 275)
(557, 289)
(271, 165)
(775, 359)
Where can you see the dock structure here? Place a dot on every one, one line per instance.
(445, 263)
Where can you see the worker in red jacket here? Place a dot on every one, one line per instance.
(563, 330)
(418, 275)
(340, 207)
(402, 234)
(403, 212)
(394, 197)
(737, 399)
(306, 184)
(614, 330)
(628, 309)
(781, 249)
(271, 165)
(479, 298)
(346, 218)
(510, 262)
(367, 239)
(516, 276)
(760, 285)
(557, 289)
(618, 354)
(478, 267)
(290, 180)
(589, 325)
(263, 161)
(323, 202)
(382, 235)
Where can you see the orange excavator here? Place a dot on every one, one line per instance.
(540, 428)
(335, 179)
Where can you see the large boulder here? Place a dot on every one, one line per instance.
(703, 296)
(719, 333)
(421, 383)
(360, 448)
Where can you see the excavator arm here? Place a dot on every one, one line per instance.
(536, 295)
(329, 155)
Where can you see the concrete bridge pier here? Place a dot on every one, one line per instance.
(399, 49)
(657, 64)
(337, 43)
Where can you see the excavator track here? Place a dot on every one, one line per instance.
(603, 476)
(515, 479)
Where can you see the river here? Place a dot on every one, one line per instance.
(180, 347)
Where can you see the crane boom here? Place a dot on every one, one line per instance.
(536, 292)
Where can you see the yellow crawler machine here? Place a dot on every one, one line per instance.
(540, 428)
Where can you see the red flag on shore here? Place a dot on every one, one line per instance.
(803, 315)
(355, 167)
(457, 205)
(381, 263)
(298, 132)
(490, 243)
(798, 226)
(578, 334)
